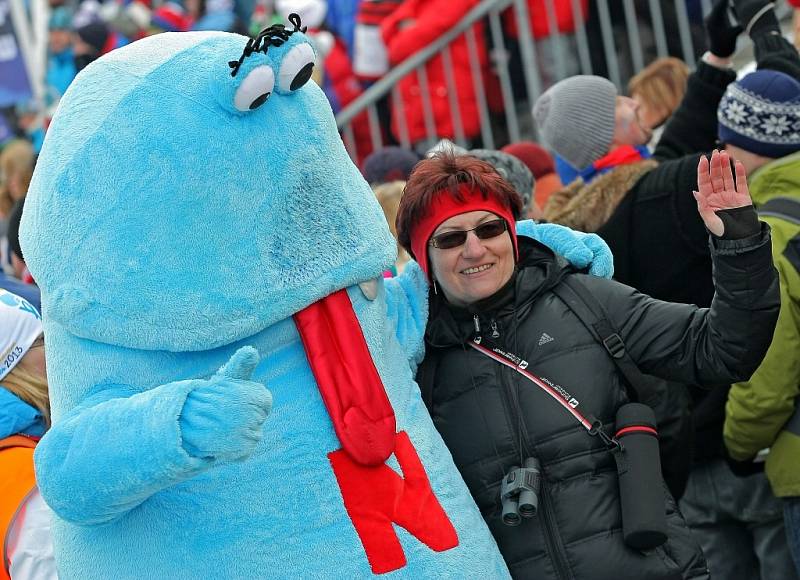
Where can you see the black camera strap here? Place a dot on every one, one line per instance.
(570, 404)
(585, 306)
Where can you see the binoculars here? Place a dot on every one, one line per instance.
(519, 492)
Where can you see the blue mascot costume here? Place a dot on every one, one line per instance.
(231, 378)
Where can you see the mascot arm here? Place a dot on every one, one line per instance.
(407, 308)
(580, 249)
(120, 447)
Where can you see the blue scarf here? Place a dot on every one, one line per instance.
(619, 156)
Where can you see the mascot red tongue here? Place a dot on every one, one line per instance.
(347, 378)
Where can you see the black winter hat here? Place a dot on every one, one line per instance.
(95, 34)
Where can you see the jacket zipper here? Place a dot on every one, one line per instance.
(552, 539)
(511, 418)
(551, 535)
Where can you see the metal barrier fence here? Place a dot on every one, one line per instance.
(614, 38)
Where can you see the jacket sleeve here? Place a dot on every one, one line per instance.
(693, 126)
(684, 343)
(91, 470)
(757, 409)
(404, 40)
(774, 52)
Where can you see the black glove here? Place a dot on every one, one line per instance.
(739, 222)
(757, 16)
(743, 468)
(722, 30)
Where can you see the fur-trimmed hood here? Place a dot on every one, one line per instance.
(588, 206)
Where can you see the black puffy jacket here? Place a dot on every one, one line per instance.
(490, 417)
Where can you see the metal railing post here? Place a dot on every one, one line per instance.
(399, 113)
(374, 127)
(452, 97)
(685, 33)
(479, 87)
(427, 109)
(581, 39)
(634, 40)
(505, 79)
(350, 142)
(657, 21)
(555, 37)
(527, 51)
(607, 32)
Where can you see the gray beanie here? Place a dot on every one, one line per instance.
(576, 118)
(512, 170)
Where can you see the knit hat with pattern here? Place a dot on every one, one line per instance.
(760, 113)
(576, 118)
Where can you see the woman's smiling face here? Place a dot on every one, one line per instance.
(476, 269)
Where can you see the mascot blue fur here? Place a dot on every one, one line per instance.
(192, 200)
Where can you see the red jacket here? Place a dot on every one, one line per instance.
(413, 26)
(537, 13)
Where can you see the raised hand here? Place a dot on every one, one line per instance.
(717, 190)
(222, 418)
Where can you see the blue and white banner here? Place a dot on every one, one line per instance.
(14, 83)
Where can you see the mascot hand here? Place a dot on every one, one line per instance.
(222, 417)
(580, 249)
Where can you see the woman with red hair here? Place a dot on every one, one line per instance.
(526, 397)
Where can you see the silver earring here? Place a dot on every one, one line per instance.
(435, 287)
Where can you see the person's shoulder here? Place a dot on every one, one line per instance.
(607, 291)
(29, 292)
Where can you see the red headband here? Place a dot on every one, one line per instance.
(443, 207)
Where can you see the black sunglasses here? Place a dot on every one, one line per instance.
(457, 238)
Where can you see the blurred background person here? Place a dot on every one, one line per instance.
(19, 281)
(16, 170)
(24, 417)
(659, 89)
(387, 164)
(60, 59)
(389, 195)
(514, 171)
(541, 164)
(89, 42)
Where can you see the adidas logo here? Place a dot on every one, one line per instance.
(545, 338)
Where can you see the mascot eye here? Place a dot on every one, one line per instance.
(255, 89)
(296, 68)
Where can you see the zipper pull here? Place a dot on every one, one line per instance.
(477, 322)
(495, 332)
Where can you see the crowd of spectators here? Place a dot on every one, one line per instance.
(632, 189)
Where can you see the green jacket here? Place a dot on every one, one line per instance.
(758, 409)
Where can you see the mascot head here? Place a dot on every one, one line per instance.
(193, 190)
